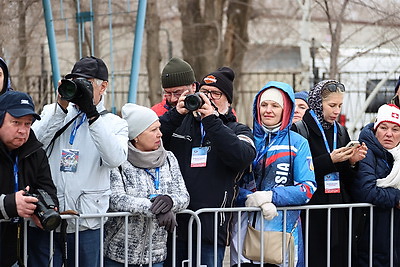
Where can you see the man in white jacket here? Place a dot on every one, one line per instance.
(80, 156)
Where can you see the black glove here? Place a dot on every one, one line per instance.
(167, 220)
(85, 101)
(161, 203)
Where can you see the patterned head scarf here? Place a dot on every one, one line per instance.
(315, 102)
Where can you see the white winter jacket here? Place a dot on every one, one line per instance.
(102, 145)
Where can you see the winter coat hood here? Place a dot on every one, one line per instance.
(6, 83)
(288, 111)
(367, 135)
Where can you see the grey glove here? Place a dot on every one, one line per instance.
(161, 203)
(167, 220)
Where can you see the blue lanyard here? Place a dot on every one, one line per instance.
(323, 133)
(264, 149)
(76, 127)
(156, 179)
(16, 174)
(203, 133)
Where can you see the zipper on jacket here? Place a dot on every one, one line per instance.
(222, 214)
(235, 194)
(184, 137)
(146, 234)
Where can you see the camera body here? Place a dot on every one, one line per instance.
(193, 102)
(49, 218)
(73, 89)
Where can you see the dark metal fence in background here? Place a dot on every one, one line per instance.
(357, 90)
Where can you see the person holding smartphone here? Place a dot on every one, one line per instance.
(335, 169)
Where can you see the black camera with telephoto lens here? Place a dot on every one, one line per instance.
(49, 218)
(73, 89)
(193, 102)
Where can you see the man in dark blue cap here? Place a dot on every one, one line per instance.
(84, 142)
(24, 166)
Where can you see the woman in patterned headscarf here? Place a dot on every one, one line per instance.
(335, 169)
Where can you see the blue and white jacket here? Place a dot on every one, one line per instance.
(284, 166)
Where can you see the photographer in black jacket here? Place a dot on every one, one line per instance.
(211, 148)
(24, 166)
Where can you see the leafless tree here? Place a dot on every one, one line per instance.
(335, 18)
(153, 55)
(236, 37)
(359, 14)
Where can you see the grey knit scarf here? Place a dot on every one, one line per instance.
(148, 160)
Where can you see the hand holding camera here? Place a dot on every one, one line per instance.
(25, 205)
(199, 102)
(180, 106)
(80, 92)
(48, 217)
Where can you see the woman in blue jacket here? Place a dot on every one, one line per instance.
(378, 183)
(283, 168)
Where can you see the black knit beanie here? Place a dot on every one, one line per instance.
(222, 78)
(177, 72)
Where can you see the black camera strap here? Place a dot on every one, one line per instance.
(19, 240)
(64, 243)
(60, 131)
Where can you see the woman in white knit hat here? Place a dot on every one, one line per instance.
(379, 183)
(282, 175)
(150, 186)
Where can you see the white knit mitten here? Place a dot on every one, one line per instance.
(258, 198)
(269, 211)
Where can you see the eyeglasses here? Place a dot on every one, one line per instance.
(214, 94)
(332, 87)
(175, 94)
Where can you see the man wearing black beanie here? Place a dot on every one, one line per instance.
(212, 148)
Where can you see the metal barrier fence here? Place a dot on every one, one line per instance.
(195, 217)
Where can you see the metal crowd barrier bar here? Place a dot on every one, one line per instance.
(195, 216)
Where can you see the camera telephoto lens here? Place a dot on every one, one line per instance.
(49, 218)
(67, 89)
(193, 102)
(71, 90)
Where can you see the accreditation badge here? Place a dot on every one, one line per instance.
(69, 160)
(332, 183)
(199, 157)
